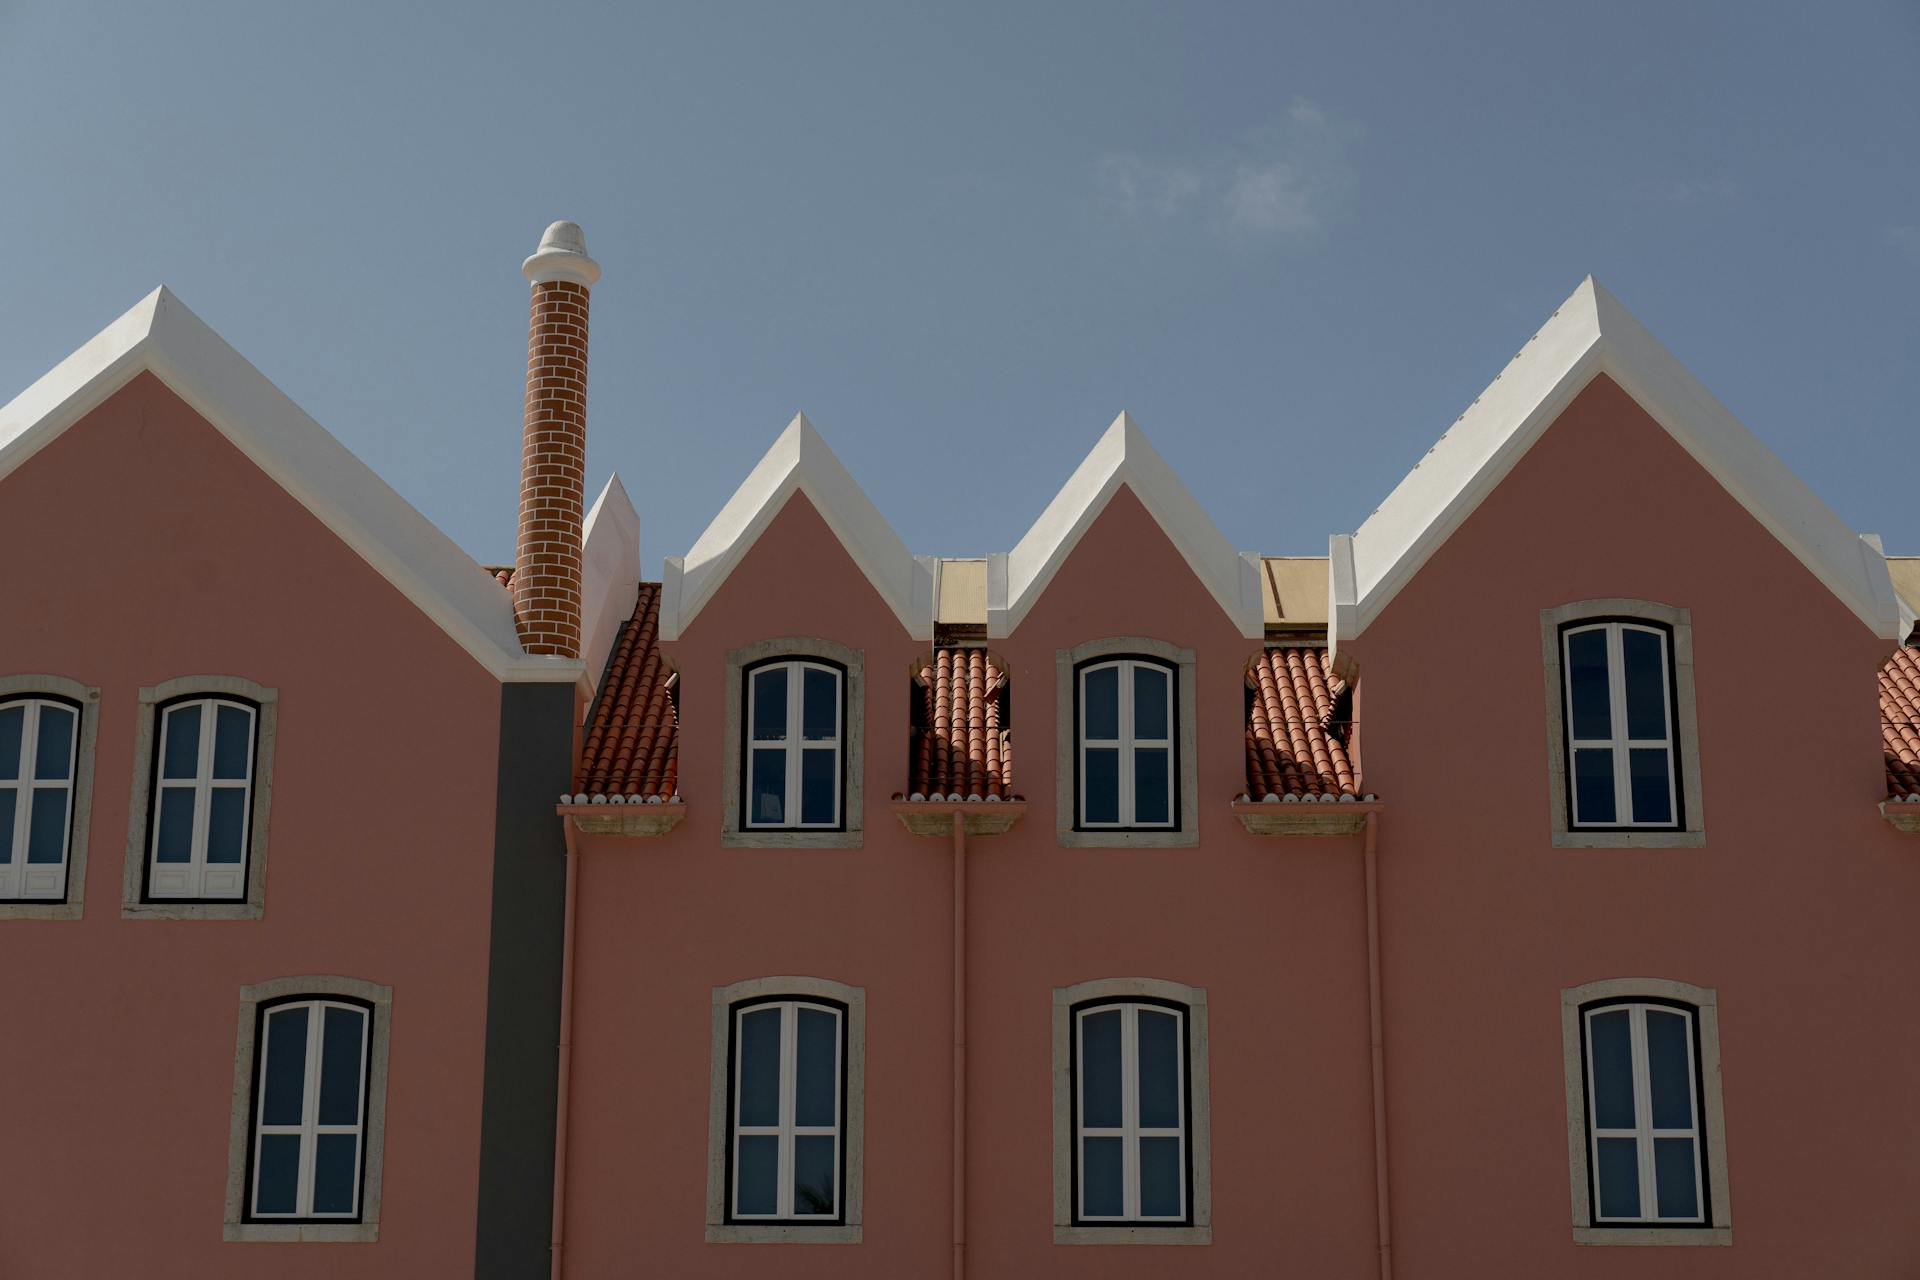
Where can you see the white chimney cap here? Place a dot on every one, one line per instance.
(562, 255)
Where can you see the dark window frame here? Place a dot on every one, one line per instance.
(1679, 822)
(745, 763)
(1173, 739)
(734, 1010)
(1073, 1106)
(1699, 1108)
(260, 1012)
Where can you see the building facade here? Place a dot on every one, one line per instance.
(1494, 893)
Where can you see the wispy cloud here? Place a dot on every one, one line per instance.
(1287, 179)
(1907, 241)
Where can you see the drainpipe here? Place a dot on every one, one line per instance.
(566, 1056)
(959, 1046)
(1379, 1052)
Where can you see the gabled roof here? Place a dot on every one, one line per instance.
(161, 336)
(1589, 335)
(799, 462)
(1123, 456)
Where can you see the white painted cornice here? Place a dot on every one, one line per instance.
(161, 336)
(1123, 456)
(609, 574)
(799, 462)
(1592, 334)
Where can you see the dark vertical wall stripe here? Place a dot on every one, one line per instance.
(523, 983)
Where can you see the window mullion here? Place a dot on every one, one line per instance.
(796, 681)
(23, 793)
(789, 1028)
(1130, 1111)
(310, 1110)
(1642, 1110)
(1617, 709)
(1125, 729)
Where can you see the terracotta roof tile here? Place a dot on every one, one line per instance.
(632, 745)
(1900, 720)
(1294, 744)
(963, 745)
(502, 573)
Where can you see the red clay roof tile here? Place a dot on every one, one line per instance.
(1900, 720)
(632, 745)
(965, 746)
(1294, 744)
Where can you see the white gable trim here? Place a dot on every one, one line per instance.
(609, 575)
(799, 462)
(1122, 456)
(1589, 335)
(160, 335)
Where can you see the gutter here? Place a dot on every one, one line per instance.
(1380, 1179)
(566, 1058)
(959, 1045)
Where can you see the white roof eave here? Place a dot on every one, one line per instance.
(1122, 456)
(1592, 334)
(162, 336)
(798, 462)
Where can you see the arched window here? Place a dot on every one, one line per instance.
(1621, 755)
(796, 713)
(202, 800)
(39, 769)
(1126, 714)
(1643, 1107)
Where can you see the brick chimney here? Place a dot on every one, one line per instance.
(553, 465)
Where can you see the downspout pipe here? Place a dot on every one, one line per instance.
(566, 1056)
(1380, 1179)
(959, 1046)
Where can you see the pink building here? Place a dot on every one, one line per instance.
(1508, 883)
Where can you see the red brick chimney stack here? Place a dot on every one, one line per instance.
(553, 466)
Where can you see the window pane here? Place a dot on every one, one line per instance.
(1149, 702)
(1674, 1192)
(819, 786)
(770, 704)
(760, 1067)
(13, 720)
(1100, 693)
(226, 823)
(816, 1087)
(1587, 684)
(47, 838)
(340, 1066)
(1611, 1051)
(1103, 785)
(1100, 1069)
(813, 1174)
(232, 742)
(1646, 683)
(1593, 786)
(336, 1171)
(7, 799)
(1100, 1193)
(285, 1084)
(1667, 1073)
(1160, 1177)
(766, 799)
(53, 756)
(1652, 796)
(1159, 1070)
(176, 825)
(181, 758)
(277, 1177)
(757, 1175)
(1619, 1178)
(1152, 799)
(820, 705)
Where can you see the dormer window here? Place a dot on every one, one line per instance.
(795, 713)
(1621, 758)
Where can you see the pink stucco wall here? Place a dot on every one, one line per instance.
(1798, 909)
(1274, 930)
(141, 545)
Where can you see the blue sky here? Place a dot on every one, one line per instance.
(1294, 241)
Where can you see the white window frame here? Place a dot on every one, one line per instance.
(1130, 1131)
(201, 881)
(143, 809)
(42, 882)
(722, 1228)
(1127, 743)
(736, 734)
(1710, 1128)
(1619, 744)
(241, 1226)
(69, 906)
(786, 1130)
(1155, 993)
(1643, 1133)
(309, 1129)
(795, 744)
